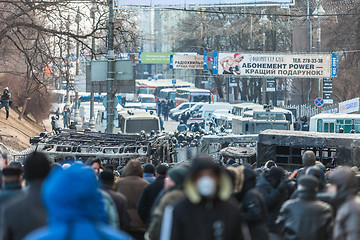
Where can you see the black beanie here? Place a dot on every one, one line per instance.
(308, 184)
(161, 169)
(36, 166)
(107, 177)
(149, 168)
(178, 174)
(276, 173)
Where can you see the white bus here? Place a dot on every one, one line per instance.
(167, 94)
(135, 121)
(192, 95)
(332, 122)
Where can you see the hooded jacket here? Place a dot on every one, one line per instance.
(274, 198)
(252, 203)
(169, 197)
(195, 217)
(348, 215)
(74, 207)
(131, 186)
(306, 218)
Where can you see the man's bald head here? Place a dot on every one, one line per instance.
(308, 159)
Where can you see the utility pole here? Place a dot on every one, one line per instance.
(77, 118)
(92, 95)
(263, 21)
(67, 74)
(110, 70)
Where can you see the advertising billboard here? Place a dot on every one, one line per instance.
(154, 58)
(187, 62)
(349, 106)
(275, 65)
(198, 3)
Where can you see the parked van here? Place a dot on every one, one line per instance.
(147, 101)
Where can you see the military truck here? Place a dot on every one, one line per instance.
(258, 120)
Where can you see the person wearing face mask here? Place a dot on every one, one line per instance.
(274, 187)
(206, 211)
(344, 188)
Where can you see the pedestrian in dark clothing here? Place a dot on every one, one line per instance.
(131, 184)
(166, 110)
(25, 213)
(183, 118)
(73, 203)
(150, 193)
(171, 104)
(344, 187)
(206, 212)
(251, 201)
(11, 179)
(149, 173)
(107, 184)
(172, 192)
(182, 127)
(274, 189)
(72, 126)
(55, 125)
(66, 116)
(5, 101)
(159, 108)
(306, 218)
(316, 172)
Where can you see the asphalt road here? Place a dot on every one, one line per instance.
(170, 126)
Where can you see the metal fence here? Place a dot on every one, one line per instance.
(309, 111)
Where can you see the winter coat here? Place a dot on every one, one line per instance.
(347, 219)
(169, 198)
(131, 186)
(9, 191)
(148, 197)
(195, 217)
(274, 198)
(120, 202)
(305, 219)
(252, 204)
(23, 214)
(5, 96)
(75, 208)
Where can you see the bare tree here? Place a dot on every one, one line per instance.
(34, 35)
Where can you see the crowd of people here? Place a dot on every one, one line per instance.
(202, 199)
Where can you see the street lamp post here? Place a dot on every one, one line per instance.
(317, 13)
(263, 21)
(67, 73)
(77, 118)
(110, 71)
(93, 10)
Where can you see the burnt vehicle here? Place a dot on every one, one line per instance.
(240, 147)
(114, 149)
(287, 147)
(240, 155)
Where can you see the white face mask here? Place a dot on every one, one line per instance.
(206, 186)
